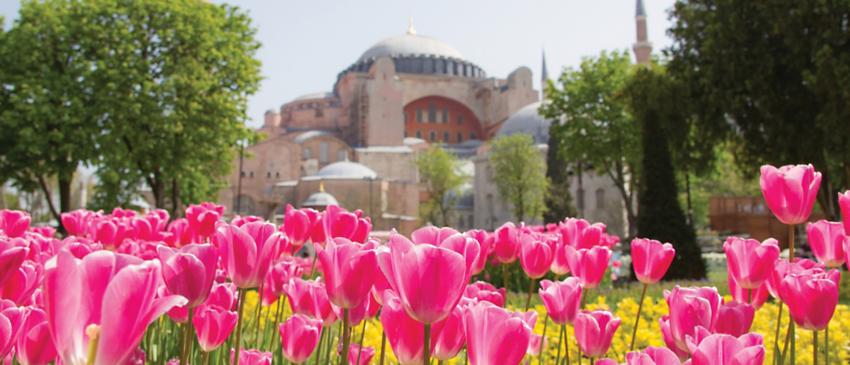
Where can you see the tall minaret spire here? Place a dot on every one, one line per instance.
(544, 75)
(643, 48)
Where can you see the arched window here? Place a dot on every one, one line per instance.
(306, 153)
(432, 113)
(418, 115)
(446, 137)
(445, 116)
(473, 136)
(405, 134)
(433, 136)
(459, 119)
(341, 154)
(324, 152)
(405, 117)
(418, 134)
(459, 137)
(600, 199)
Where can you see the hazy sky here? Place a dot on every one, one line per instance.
(307, 43)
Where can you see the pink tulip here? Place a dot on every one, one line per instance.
(506, 243)
(535, 256)
(44, 231)
(381, 284)
(594, 331)
(189, 271)
(338, 222)
(296, 225)
(23, 283)
(112, 291)
(12, 326)
(667, 336)
(536, 344)
(213, 324)
(560, 265)
(429, 277)
(310, 298)
(589, 265)
(365, 357)
(790, 191)
(181, 233)
(447, 336)
(782, 268)
(76, 223)
(79, 247)
(202, 218)
(364, 229)
(405, 334)
(223, 295)
(811, 298)
(562, 299)
(580, 234)
(108, 232)
(252, 357)
(494, 336)
(844, 204)
(246, 252)
(722, 349)
(651, 259)
(750, 262)
(34, 346)
(485, 241)
(280, 273)
(14, 223)
(689, 308)
(11, 259)
(349, 271)
(485, 292)
(240, 221)
(755, 297)
(827, 242)
(299, 336)
(650, 356)
(734, 318)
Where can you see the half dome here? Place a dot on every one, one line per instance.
(347, 170)
(527, 120)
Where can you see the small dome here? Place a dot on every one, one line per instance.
(411, 44)
(347, 170)
(528, 121)
(313, 96)
(412, 141)
(320, 199)
(304, 137)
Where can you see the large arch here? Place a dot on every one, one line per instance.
(441, 117)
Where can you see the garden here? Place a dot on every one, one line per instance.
(122, 288)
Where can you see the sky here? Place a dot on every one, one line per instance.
(307, 43)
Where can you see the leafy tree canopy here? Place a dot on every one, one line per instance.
(519, 173)
(439, 170)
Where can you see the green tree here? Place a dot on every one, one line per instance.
(173, 79)
(661, 217)
(559, 201)
(439, 170)
(596, 128)
(519, 174)
(49, 113)
(777, 71)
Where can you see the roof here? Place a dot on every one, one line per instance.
(384, 149)
(527, 120)
(346, 170)
(319, 95)
(320, 199)
(640, 10)
(411, 44)
(412, 141)
(304, 137)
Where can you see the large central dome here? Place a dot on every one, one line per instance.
(411, 45)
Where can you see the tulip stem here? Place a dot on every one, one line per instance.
(346, 340)
(206, 359)
(530, 291)
(190, 339)
(183, 337)
(362, 335)
(427, 345)
(319, 349)
(238, 350)
(313, 269)
(281, 303)
(543, 340)
(566, 346)
(259, 313)
(826, 343)
(815, 344)
(778, 323)
(637, 318)
(383, 347)
(560, 342)
(505, 269)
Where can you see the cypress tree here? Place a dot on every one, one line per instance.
(559, 202)
(661, 217)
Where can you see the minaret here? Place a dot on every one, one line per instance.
(643, 48)
(544, 75)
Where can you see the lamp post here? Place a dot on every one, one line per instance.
(239, 185)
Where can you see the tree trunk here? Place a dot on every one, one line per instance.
(158, 191)
(3, 196)
(53, 211)
(176, 207)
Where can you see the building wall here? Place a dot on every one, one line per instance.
(265, 164)
(468, 126)
(396, 163)
(491, 211)
(602, 201)
(332, 145)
